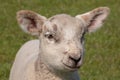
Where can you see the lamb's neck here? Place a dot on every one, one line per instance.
(51, 74)
(69, 75)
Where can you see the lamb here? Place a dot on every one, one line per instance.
(57, 54)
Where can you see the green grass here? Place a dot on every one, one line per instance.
(102, 58)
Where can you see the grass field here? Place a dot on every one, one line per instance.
(102, 58)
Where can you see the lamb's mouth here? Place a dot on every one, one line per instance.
(71, 67)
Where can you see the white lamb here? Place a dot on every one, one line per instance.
(58, 53)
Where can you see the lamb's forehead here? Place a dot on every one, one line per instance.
(69, 26)
(66, 21)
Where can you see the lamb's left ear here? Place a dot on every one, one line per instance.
(30, 21)
(95, 18)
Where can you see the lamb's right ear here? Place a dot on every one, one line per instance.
(94, 19)
(30, 21)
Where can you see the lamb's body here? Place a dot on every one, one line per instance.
(25, 57)
(58, 53)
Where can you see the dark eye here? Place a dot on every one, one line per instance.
(82, 38)
(49, 35)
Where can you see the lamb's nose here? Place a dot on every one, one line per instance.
(74, 59)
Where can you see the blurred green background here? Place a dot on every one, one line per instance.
(102, 58)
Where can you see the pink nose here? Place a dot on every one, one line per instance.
(76, 60)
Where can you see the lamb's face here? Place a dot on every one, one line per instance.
(62, 42)
(61, 36)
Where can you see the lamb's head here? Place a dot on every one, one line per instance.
(62, 36)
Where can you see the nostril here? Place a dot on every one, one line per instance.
(75, 60)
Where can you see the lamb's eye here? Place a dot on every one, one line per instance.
(82, 38)
(49, 35)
